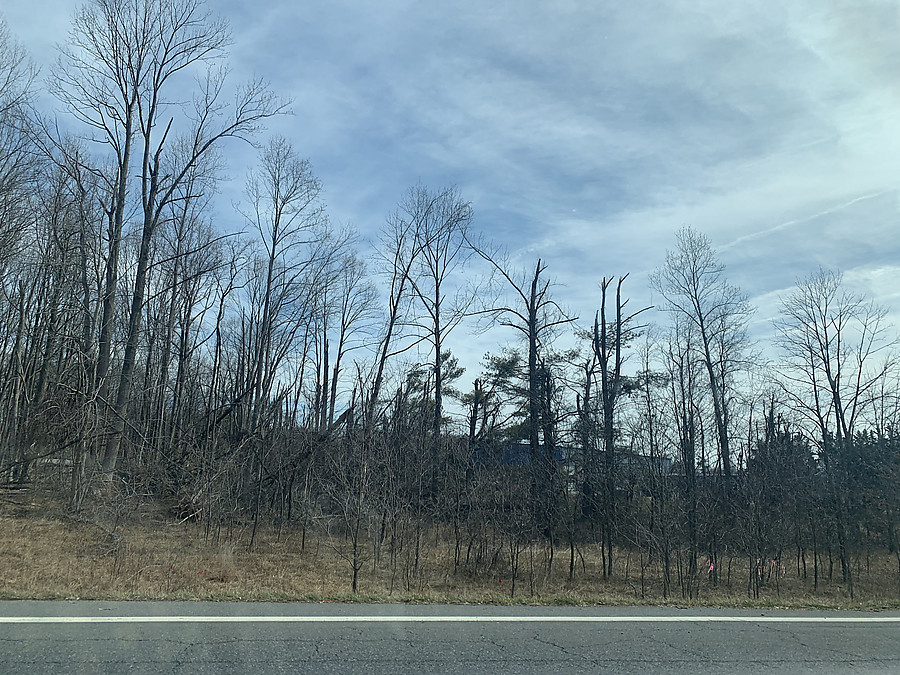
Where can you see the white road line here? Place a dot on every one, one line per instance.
(447, 619)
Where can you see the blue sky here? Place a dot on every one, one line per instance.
(587, 133)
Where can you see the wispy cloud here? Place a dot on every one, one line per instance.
(799, 221)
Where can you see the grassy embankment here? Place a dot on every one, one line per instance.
(46, 554)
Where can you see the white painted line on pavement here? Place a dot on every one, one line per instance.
(447, 619)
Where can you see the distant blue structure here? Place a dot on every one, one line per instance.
(516, 454)
(519, 454)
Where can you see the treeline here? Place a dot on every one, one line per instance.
(279, 374)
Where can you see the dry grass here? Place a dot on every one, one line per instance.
(46, 554)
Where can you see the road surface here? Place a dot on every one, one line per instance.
(251, 638)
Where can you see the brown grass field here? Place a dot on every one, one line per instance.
(48, 554)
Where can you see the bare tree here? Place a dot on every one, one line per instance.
(22, 272)
(17, 74)
(17, 157)
(682, 367)
(287, 211)
(356, 310)
(839, 355)
(398, 250)
(692, 281)
(444, 220)
(611, 337)
(114, 76)
(537, 317)
(839, 350)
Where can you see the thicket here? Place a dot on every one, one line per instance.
(279, 375)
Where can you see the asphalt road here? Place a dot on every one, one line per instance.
(250, 638)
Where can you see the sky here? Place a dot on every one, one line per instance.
(586, 133)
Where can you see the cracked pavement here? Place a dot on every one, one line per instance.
(248, 647)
